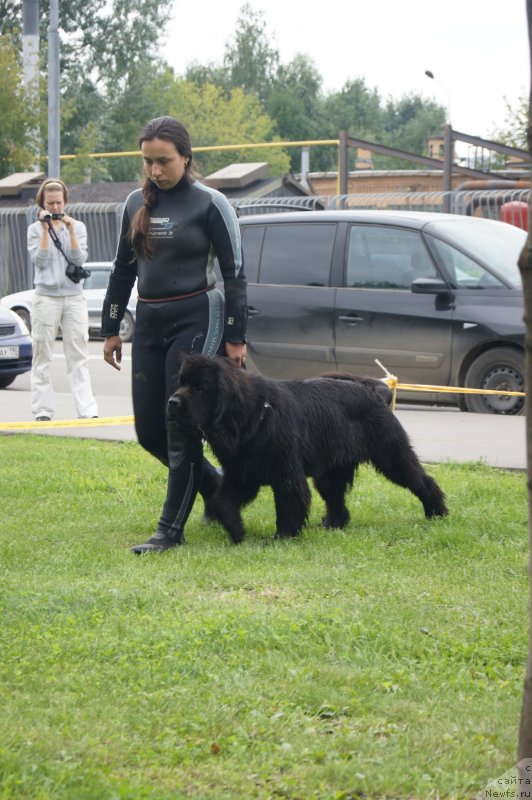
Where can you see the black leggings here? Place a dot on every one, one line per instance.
(163, 333)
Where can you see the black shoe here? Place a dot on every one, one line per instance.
(158, 543)
(43, 418)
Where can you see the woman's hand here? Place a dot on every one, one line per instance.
(112, 351)
(236, 351)
(69, 223)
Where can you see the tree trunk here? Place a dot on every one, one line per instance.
(525, 265)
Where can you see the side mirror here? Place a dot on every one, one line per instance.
(429, 286)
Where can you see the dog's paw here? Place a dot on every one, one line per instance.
(286, 534)
(332, 523)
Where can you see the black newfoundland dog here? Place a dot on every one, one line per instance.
(278, 433)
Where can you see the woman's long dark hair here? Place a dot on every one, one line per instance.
(172, 130)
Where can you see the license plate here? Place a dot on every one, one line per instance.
(9, 351)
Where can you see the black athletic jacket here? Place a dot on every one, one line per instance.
(190, 223)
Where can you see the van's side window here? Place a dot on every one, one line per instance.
(297, 254)
(386, 258)
(251, 244)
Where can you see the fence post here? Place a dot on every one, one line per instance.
(305, 165)
(342, 162)
(447, 166)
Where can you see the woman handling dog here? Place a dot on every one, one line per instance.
(171, 228)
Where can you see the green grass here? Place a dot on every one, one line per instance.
(383, 661)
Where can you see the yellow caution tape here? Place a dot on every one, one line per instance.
(66, 423)
(390, 380)
(422, 387)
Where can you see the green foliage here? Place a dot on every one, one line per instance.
(296, 104)
(215, 118)
(85, 169)
(145, 95)
(513, 132)
(101, 39)
(408, 124)
(250, 60)
(101, 43)
(18, 145)
(113, 81)
(383, 661)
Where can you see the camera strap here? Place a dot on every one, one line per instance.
(73, 272)
(55, 239)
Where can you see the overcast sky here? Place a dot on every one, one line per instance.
(476, 49)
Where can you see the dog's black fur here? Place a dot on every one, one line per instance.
(278, 433)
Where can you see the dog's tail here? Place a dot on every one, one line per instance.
(380, 389)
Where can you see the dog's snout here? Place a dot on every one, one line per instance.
(175, 406)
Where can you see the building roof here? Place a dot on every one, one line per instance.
(238, 182)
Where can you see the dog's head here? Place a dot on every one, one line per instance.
(207, 394)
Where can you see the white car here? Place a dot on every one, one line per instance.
(94, 289)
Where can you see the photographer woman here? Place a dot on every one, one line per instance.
(58, 249)
(170, 230)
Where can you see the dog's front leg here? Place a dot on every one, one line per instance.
(292, 502)
(226, 505)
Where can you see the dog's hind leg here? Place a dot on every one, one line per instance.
(292, 502)
(399, 463)
(332, 486)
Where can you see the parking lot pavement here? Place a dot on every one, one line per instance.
(437, 434)
(442, 434)
(15, 407)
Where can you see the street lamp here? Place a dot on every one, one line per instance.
(430, 75)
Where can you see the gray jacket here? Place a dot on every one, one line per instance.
(50, 265)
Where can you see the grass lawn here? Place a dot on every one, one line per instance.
(383, 661)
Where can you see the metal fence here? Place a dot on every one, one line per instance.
(16, 271)
(479, 203)
(245, 207)
(103, 219)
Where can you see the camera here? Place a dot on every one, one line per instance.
(48, 216)
(76, 274)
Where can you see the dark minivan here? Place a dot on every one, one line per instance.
(436, 298)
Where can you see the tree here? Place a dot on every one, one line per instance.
(250, 61)
(514, 130)
(19, 118)
(101, 42)
(83, 168)
(408, 124)
(295, 102)
(356, 109)
(209, 73)
(147, 94)
(213, 118)
(525, 265)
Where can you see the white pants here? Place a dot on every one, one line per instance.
(47, 314)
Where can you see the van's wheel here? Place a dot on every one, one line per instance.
(127, 326)
(497, 369)
(24, 314)
(5, 382)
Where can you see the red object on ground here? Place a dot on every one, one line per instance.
(516, 213)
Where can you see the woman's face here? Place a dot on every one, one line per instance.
(164, 165)
(53, 200)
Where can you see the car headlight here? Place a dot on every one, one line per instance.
(20, 322)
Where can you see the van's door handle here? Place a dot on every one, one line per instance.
(352, 319)
(252, 312)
